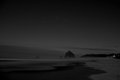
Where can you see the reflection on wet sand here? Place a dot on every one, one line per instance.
(49, 71)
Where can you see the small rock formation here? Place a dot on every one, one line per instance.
(69, 54)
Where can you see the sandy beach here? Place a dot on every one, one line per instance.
(76, 69)
(110, 65)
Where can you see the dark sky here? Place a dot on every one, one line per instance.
(60, 24)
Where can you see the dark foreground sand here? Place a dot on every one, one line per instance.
(72, 71)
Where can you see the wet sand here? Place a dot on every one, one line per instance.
(71, 71)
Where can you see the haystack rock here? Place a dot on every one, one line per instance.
(69, 54)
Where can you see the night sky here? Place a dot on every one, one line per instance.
(60, 24)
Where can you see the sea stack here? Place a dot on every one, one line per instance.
(69, 54)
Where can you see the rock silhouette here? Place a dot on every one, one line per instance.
(114, 55)
(69, 54)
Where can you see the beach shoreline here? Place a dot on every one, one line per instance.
(65, 70)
